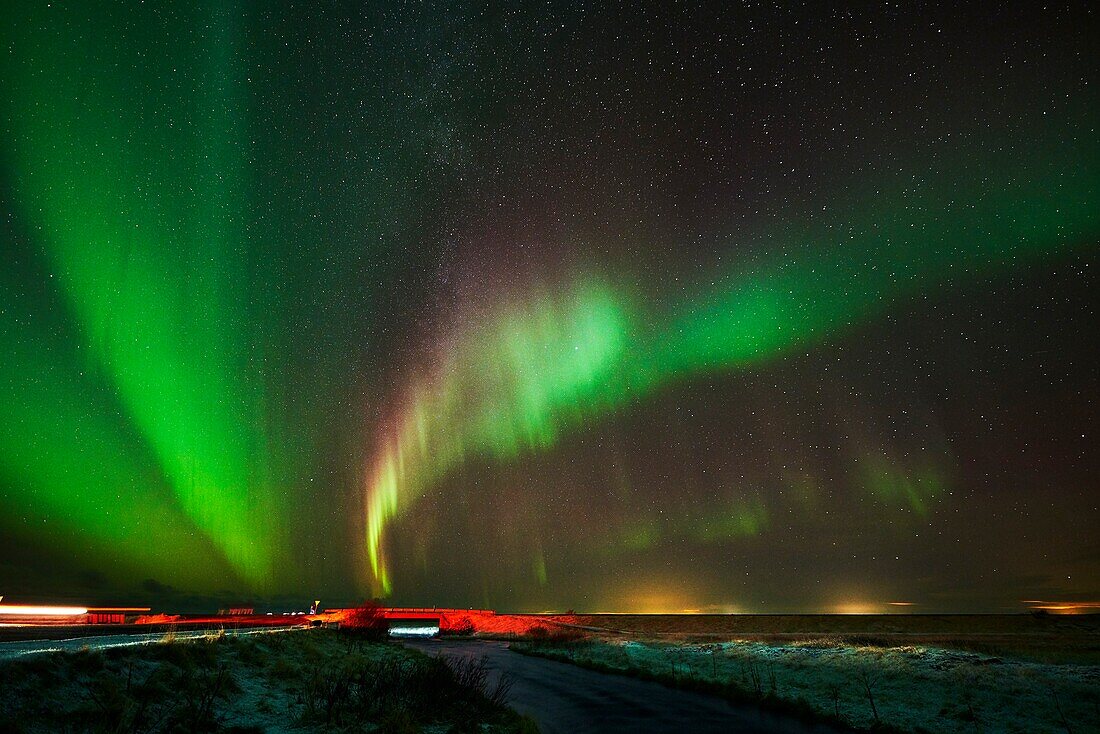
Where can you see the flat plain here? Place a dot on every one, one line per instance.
(921, 674)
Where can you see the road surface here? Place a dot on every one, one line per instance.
(567, 699)
(18, 648)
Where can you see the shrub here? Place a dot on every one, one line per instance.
(463, 627)
(402, 693)
(366, 621)
(556, 635)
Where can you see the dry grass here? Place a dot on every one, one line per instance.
(865, 686)
(308, 680)
(1045, 639)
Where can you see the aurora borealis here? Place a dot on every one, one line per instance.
(747, 309)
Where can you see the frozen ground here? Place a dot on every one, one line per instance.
(914, 689)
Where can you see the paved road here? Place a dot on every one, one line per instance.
(19, 648)
(567, 699)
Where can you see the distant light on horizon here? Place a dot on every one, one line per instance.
(856, 608)
(1063, 607)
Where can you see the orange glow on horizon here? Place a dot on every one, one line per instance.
(1063, 607)
(856, 608)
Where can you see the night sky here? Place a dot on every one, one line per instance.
(736, 308)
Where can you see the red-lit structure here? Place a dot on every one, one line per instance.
(452, 621)
(449, 621)
(26, 614)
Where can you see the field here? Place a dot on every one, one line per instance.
(308, 680)
(969, 674)
(930, 674)
(1041, 638)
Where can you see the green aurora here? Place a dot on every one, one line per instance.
(237, 362)
(529, 372)
(142, 226)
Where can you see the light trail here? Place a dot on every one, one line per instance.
(42, 611)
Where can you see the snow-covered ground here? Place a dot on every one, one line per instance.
(915, 689)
